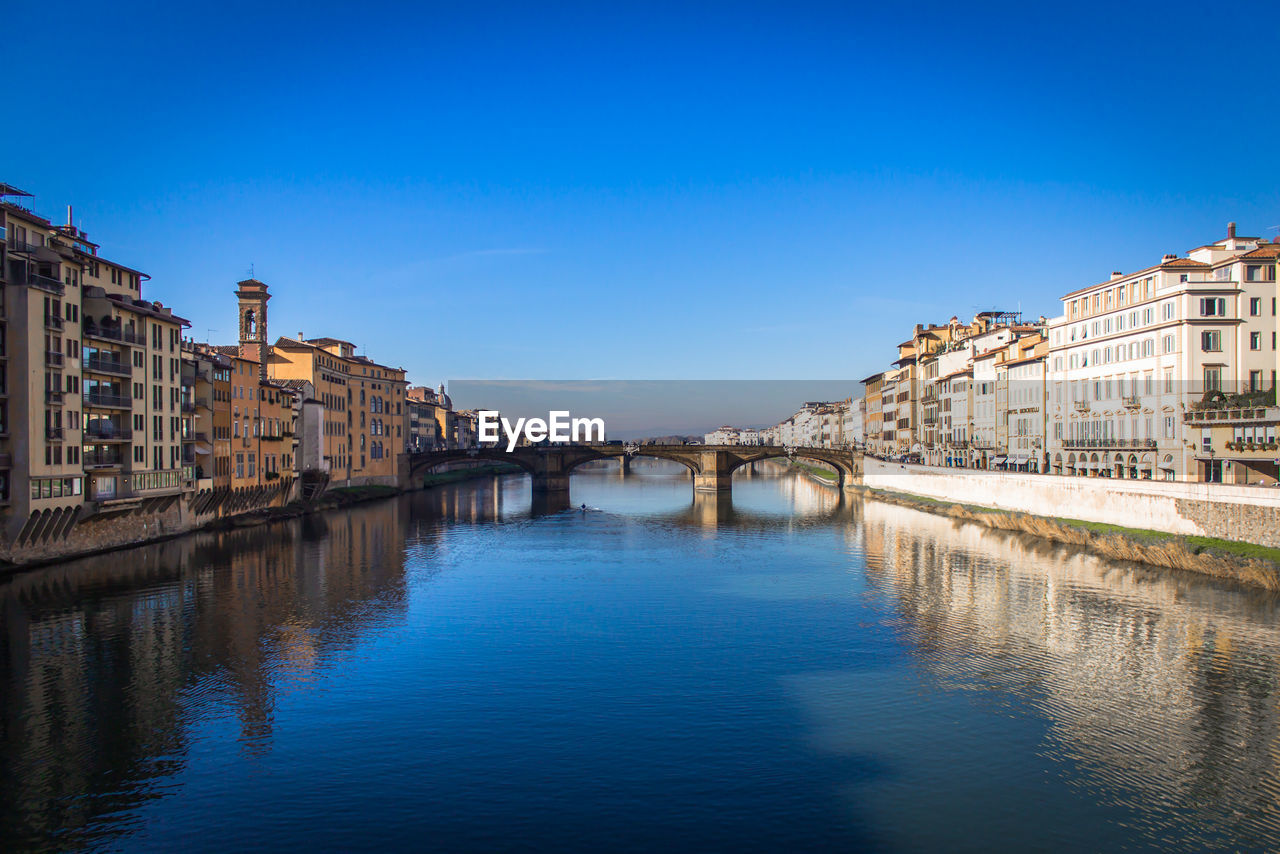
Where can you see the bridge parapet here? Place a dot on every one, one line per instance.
(712, 466)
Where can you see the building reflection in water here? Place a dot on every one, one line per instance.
(1163, 686)
(107, 661)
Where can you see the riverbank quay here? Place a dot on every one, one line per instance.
(821, 475)
(171, 523)
(1221, 531)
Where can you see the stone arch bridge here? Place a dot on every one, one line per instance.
(711, 466)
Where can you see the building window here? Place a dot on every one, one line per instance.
(1212, 379)
(1260, 273)
(1255, 340)
(1213, 307)
(1211, 341)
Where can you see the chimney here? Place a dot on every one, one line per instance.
(1169, 257)
(1231, 230)
(1116, 274)
(69, 220)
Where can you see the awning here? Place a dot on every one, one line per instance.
(998, 460)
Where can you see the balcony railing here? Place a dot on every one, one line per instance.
(188, 406)
(52, 397)
(108, 366)
(1131, 402)
(53, 434)
(1109, 443)
(44, 283)
(1225, 415)
(118, 401)
(21, 247)
(112, 333)
(1081, 405)
(102, 459)
(53, 359)
(1253, 446)
(107, 431)
(52, 321)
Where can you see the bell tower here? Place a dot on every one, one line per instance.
(252, 296)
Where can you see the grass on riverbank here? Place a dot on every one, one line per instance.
(1231, 559)
(817, 471)
(455, 475)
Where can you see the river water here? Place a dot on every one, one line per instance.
(450, 670)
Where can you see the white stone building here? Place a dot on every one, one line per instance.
(1129, 356)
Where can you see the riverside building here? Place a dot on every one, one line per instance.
(1130, 357)
(91, 421)
(363, 401)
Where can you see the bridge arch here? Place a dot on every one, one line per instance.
(842, 461)
(689, 461)
(423, 463)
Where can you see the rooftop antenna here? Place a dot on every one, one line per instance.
(207, 334)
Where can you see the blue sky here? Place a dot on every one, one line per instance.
(653, 191)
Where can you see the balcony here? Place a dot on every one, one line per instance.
(54, 398)
(1131, 401)
(44, 283)
(52, 359)
(109, 401)
(53, 434)
(1263, 448)
(1081, 405)
(202, 437)
(20, 247)
(52, 321)
(188, 456)
(188, 406)
(1245, 414)
(113, 333)
(1109, 443)
(188, 381)
(106, 431)
(102, 460)
(115, 367)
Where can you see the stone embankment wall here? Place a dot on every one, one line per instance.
(66, 532)
(1247, 513)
